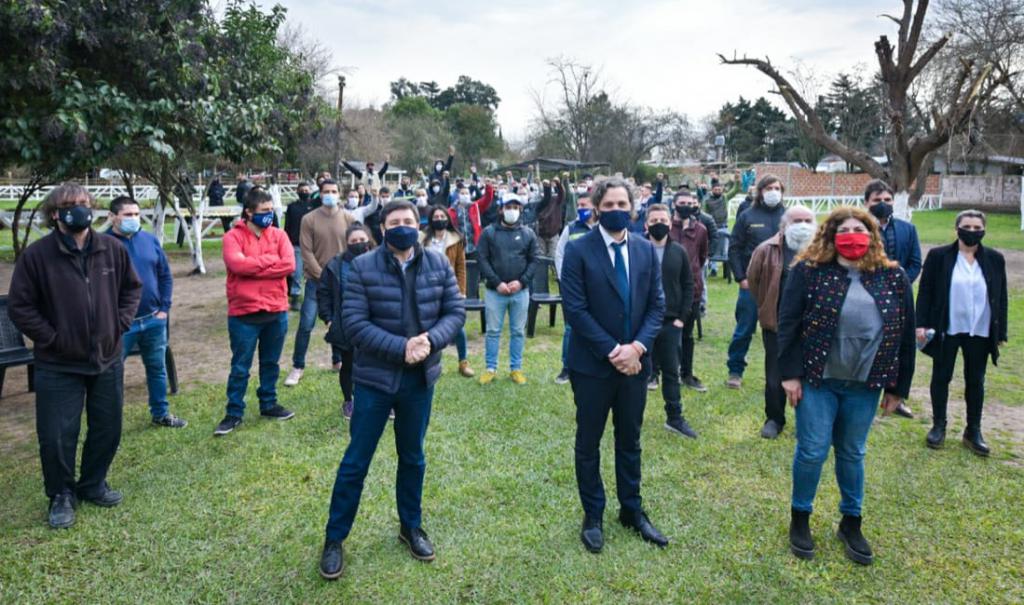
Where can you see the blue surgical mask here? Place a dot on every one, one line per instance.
(330, 200)
(263, 219)
(402, 237)
(584, 214)
(130, 226)
(614, 220)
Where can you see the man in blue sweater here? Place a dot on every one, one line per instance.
(900, 239)
(149, 329)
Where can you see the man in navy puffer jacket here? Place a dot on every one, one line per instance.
(416, 311)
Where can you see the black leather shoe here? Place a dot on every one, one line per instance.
(857, 548)
(974, 442)
(104, 496)
(903, 410)
(332, 561)
(62, 511)
(771, 429)
(592, 534)
(638, 521)
(418, 543)
(801, 543)
(936, 437)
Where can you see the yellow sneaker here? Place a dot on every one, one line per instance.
(465, 370)
(518, 377)
(487, 377)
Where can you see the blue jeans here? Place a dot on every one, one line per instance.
(566, 333)
(460, 344)
(245, 337)
(295, 287)
(150, 334)
(370, 411)
(307, 321)
(746, 323)
(837, 414)
(495, 306)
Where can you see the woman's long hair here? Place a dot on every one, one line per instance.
(429, 229)
(822, 249)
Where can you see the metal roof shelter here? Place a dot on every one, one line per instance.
(552, 165)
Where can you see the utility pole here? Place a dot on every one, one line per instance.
(337, 129)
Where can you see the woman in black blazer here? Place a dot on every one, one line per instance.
(962, 298)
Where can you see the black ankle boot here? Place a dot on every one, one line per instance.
(857, 548)
(937, 436)
(974, 442)
(800, 541)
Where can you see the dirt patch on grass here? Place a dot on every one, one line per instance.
(1001, 421)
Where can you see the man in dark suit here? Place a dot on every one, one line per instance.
(611, 290)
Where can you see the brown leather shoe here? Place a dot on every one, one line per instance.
(465, 370)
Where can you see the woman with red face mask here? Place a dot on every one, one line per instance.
(846, 336)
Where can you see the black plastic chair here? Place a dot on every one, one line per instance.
(540, 294)
(473, 300)
(13, 351)
(724, 259)
(172, 368)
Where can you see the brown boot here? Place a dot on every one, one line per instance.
(465, 370)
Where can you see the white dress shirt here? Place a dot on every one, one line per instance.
(609, 240)
(969, 311)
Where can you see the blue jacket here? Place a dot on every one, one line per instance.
(594, 307)
(330, 291)
(377, 331)
(907, 249)
(150, 263)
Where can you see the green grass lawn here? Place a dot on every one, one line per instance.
(1002, 232)
(240, 519)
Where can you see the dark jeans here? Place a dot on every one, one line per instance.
(345, 356)
(975, 352)
(774, 394)
(746, 325)
(625, 397)
(686, 350)
(307, 321)
(666, 362)
(245, 338)
(150, 334)
(60, 397)
(412, 405)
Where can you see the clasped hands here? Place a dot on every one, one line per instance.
(626, 358)
(417, 349)
(509, 288)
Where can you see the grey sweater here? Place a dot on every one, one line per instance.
(858, 335)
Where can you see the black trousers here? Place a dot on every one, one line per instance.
(625, 397)
(60, 398)
(666, 362)
(975, 352)
(345, 374)
(686, 353)
(774, 394)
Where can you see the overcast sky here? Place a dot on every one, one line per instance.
(659, 53)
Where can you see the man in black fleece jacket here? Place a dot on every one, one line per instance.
(677, 284)
(507, 253)
(752, 227)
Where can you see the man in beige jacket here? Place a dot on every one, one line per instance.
(766, 275)
(321, 237)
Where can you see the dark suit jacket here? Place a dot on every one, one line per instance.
(594, 306)
(933, 294)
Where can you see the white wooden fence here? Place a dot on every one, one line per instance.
(823, 204)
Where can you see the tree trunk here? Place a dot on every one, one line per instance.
(19, 243)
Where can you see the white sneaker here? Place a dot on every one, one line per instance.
(293, 377)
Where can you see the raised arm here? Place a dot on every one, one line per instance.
(352, 169)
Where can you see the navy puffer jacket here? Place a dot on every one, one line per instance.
(372, 314)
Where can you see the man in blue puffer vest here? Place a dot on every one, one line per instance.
(417, 310)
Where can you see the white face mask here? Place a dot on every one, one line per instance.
(435, 188)
(464, 198)
(501, 193)
(772, 198)
(421, 200)
(799, 235)
(511, 215)
(330, 200)
(352, 202)
(385, 200)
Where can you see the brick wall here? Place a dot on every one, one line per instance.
(801, 181)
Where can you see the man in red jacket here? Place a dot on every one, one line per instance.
(74, 293)
(258, 257)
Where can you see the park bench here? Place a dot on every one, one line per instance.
(541, 295)
(13, 351)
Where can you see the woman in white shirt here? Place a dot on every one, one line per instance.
(962, 306)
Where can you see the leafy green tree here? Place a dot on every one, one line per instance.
(474, 129)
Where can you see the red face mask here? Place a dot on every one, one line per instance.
(852, 246)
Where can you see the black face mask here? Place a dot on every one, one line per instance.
(358, 248)
(685, 212)
(970, 238)
(439, 225)
(882, 211)
(76, 218)
(658, 231)
(303, 195)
